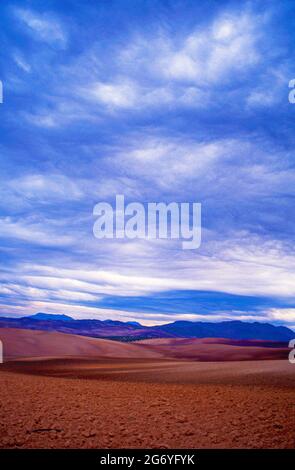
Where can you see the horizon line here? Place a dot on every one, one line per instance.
(147, 326)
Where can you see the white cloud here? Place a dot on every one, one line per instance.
(46, 187)
(22, 63)
(44, 26)
(282, 314)
(271, 89)
(33, 232)
(179, 71)
(205, 55)
(243, 266)
(149, 72)
(32, 293)
(167, 161)
(114, 95)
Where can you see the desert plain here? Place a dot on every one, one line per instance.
(66, 391)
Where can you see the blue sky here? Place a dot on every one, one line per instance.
(160, 101)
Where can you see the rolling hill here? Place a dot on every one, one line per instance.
(19, 343)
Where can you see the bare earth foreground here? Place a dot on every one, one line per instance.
(151, 401)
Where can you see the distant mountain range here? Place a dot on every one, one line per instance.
(132, 331)
(50, 316)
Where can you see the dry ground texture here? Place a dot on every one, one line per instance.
(151, 401)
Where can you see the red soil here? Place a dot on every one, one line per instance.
(216, 349)
(18, 343)
(141, 402)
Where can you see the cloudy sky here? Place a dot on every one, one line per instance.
(160, 101)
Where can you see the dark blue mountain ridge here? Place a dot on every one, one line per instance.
(234, 329)
(132, 331)
(49, 316)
